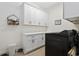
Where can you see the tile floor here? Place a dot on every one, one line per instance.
(38, 52)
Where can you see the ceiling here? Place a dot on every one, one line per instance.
(45, 5)
(40, 4)
(10, 3)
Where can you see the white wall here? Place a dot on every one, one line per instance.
(12, 34)
(55, 13)
(77, 25)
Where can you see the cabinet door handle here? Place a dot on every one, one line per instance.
(42, 38)
(33, 40)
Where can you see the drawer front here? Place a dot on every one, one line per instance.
(38, 40)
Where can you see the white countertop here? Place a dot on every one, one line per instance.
(37, 33)
(34, 33)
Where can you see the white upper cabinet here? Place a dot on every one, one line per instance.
(34, 16)
(27, 14)
(71, 10)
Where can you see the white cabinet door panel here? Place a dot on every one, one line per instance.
(38, 16)
(28, 43)
(27, 13)
(39, 39)
(33, 15)
(35, 44)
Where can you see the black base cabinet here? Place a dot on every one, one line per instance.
(58, 44)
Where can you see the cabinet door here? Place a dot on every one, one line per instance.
(38, 16)
(43, 18)
(39, 39)
(34, 16)
(27, 14)
(27, 43)
(43, 39)
(71, 9)
(34, 41)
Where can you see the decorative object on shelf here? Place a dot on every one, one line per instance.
(13, 20)
(58, 22)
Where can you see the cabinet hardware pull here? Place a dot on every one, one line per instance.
(33, 40)
(42, 38)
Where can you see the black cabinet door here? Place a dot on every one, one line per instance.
(56, 45)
